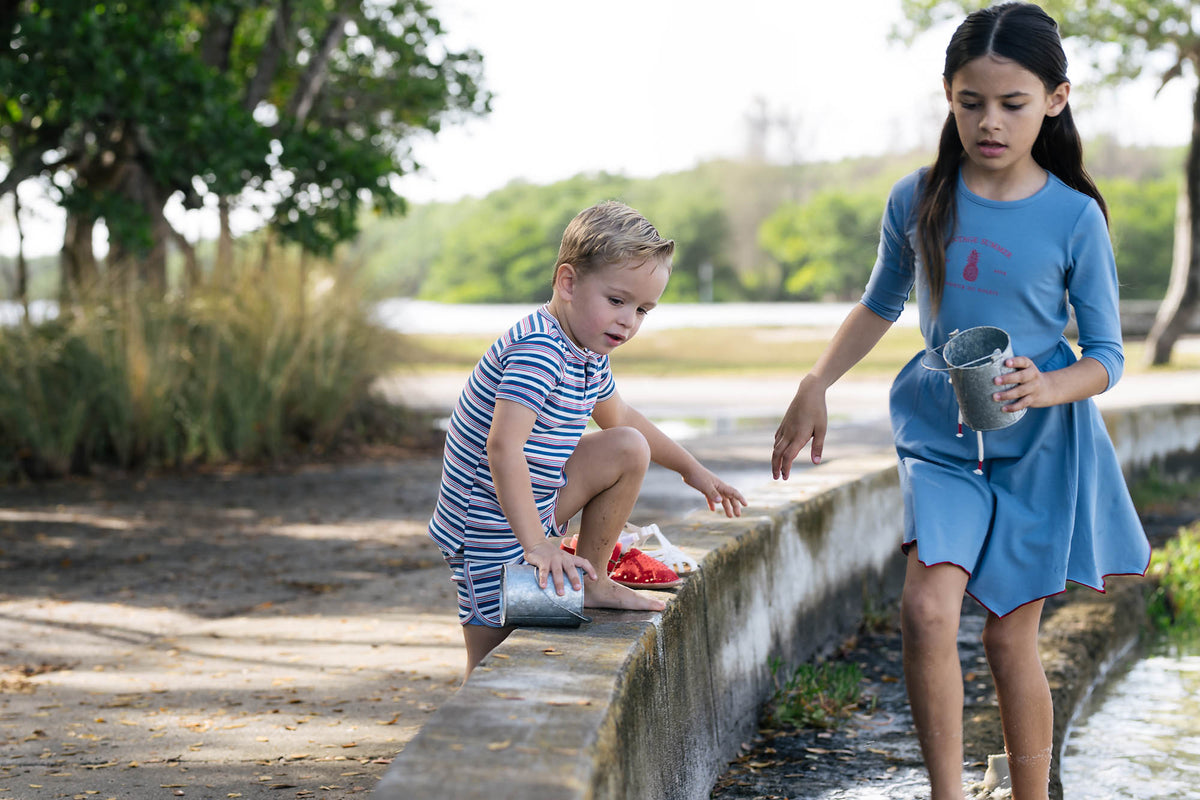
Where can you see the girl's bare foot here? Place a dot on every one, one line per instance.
(604, 592)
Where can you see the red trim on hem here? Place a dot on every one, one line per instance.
(904, 548)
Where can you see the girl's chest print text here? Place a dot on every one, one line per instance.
(975, 264)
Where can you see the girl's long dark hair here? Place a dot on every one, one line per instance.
(1024, 33)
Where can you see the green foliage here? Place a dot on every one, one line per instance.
(249, 373)
(1142, 222)
(825, 247)
(1175, 601)
(504, 247)
(815, 696)
(305, 106)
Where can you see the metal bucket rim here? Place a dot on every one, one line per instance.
(978, 361)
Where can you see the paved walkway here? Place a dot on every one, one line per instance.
(279, 636)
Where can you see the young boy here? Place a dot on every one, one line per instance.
(517, 464)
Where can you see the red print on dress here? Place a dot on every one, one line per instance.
(971, 271)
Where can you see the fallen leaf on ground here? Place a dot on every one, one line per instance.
(499, 745)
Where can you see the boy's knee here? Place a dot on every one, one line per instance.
(630, 447)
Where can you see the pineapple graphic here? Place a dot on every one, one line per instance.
(971, 271)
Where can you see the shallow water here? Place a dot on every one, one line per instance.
(1139, 736)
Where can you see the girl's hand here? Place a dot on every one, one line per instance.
(1033, 389)
(806, 418)
(716, 491)
(555, 563)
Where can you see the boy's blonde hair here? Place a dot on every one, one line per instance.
(611, 233)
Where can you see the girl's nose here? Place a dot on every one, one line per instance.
(990, 119)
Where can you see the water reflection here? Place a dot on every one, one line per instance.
(1139, 738)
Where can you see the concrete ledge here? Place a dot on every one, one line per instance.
(654, 705)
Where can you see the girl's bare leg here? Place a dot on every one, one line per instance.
(482, 640)
(1026, 709)
(929, 616)
(604, 476)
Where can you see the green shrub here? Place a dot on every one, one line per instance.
(816, 695)
(275, 361)
(1175, 601)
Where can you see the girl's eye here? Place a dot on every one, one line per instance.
(643, 312)
(1013, 106)
(616, 301)
(969, 106)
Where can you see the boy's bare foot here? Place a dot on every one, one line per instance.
(604, 592)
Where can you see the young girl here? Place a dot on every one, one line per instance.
(1003, 230)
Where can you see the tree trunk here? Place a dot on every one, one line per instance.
(78, 274)
(22, 267)
(1183, 294)
(223, 263)
(191, 266)
(149, 265)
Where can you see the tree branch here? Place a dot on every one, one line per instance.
(314, 74)
(217, 39)
(24, 165)
(270, 57)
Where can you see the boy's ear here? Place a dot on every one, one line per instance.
(565, 276)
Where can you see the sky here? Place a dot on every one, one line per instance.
(643, 87)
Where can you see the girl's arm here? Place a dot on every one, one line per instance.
(512, 423)
(1037, 389)
(806, 417)
(1093, 289)
(666, 452)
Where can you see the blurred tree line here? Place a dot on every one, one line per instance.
(744, 231)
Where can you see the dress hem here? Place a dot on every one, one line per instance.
(1102, 589)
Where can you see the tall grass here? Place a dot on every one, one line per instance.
(278, 359)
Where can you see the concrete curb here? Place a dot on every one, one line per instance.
(653, 705)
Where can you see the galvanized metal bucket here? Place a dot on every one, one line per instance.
(975, 357)
(523, 602)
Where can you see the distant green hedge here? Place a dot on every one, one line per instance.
(743, 231)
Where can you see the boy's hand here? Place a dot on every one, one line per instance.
(716, 491)
(554, 563)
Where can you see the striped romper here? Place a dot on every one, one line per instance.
(536, 365)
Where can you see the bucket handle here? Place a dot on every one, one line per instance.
(973, 362)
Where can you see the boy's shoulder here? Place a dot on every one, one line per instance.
(540, 324)
(536, 335)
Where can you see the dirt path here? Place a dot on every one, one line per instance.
(244, 636)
